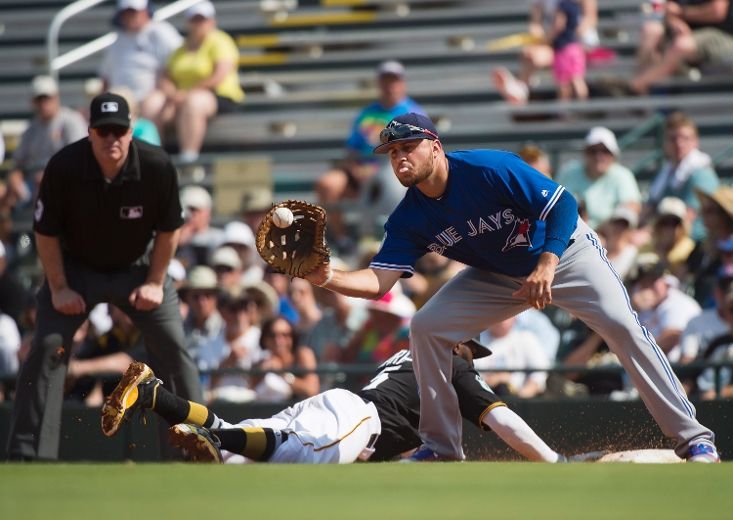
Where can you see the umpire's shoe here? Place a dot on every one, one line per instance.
(197, 443)
(136, 390)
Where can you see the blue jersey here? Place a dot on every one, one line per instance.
(491, 216)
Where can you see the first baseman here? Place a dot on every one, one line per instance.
(520, 236)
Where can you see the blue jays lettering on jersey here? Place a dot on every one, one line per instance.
(491, 216)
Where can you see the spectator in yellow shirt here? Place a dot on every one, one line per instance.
(200, 81)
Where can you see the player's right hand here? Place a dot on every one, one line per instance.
(67, 301)
(320, 275)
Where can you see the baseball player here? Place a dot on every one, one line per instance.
(525, 246)
(337, 426)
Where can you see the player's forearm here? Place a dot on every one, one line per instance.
(560, 224)
(360, 284)
(49, 252)
(164, 245)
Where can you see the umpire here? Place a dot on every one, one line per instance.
(102, 202)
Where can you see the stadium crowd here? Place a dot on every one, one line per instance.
(259, 335)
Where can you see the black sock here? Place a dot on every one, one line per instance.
(177, 410)
(252, 442)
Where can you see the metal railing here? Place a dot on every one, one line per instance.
(56, 62)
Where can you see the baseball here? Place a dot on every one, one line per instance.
(282, 217)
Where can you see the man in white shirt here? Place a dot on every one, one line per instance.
(663, 309)
(514, 349)
(140, 52)
(710, 324)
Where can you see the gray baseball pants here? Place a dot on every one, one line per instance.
(35, 426)
(586, 286)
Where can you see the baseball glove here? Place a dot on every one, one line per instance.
(299, 248)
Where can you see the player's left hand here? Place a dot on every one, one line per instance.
(537, 288)
(147, 297)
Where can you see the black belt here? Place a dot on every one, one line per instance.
(372, 440)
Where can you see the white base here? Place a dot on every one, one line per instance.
(642, 457)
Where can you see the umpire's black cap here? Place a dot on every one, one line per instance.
(109, 109)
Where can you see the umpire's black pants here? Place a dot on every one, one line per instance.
(36, 420)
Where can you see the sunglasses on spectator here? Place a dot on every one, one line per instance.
(283, 334)
(203, 294)
(221, 269)
(236, 306)
(104, 131)
(397, 130)
(671, 221)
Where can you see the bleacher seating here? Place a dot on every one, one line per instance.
(308, 66)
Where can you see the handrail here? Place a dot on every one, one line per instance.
(56, 62)
(52, 36)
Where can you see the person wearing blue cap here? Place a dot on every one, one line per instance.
(361, 176)
(524, 245)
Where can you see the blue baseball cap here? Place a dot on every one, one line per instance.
(407, 127)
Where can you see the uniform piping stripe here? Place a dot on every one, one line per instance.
(551, 203)
(334, 443)
(657, 351)
(485, 413)
(392, 267)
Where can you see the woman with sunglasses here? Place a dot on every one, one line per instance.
(102, 201)
(286, 358)
(519, 234)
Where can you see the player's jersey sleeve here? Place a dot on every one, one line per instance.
(475, 397)
(398, 252)
(520, 185)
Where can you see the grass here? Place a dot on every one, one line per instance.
(366, 491)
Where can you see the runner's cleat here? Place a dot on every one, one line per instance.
(197, 443)
(135, 391)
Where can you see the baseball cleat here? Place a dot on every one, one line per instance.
(702, 452)
(197, 443)
(425, 454)
(136, 390)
